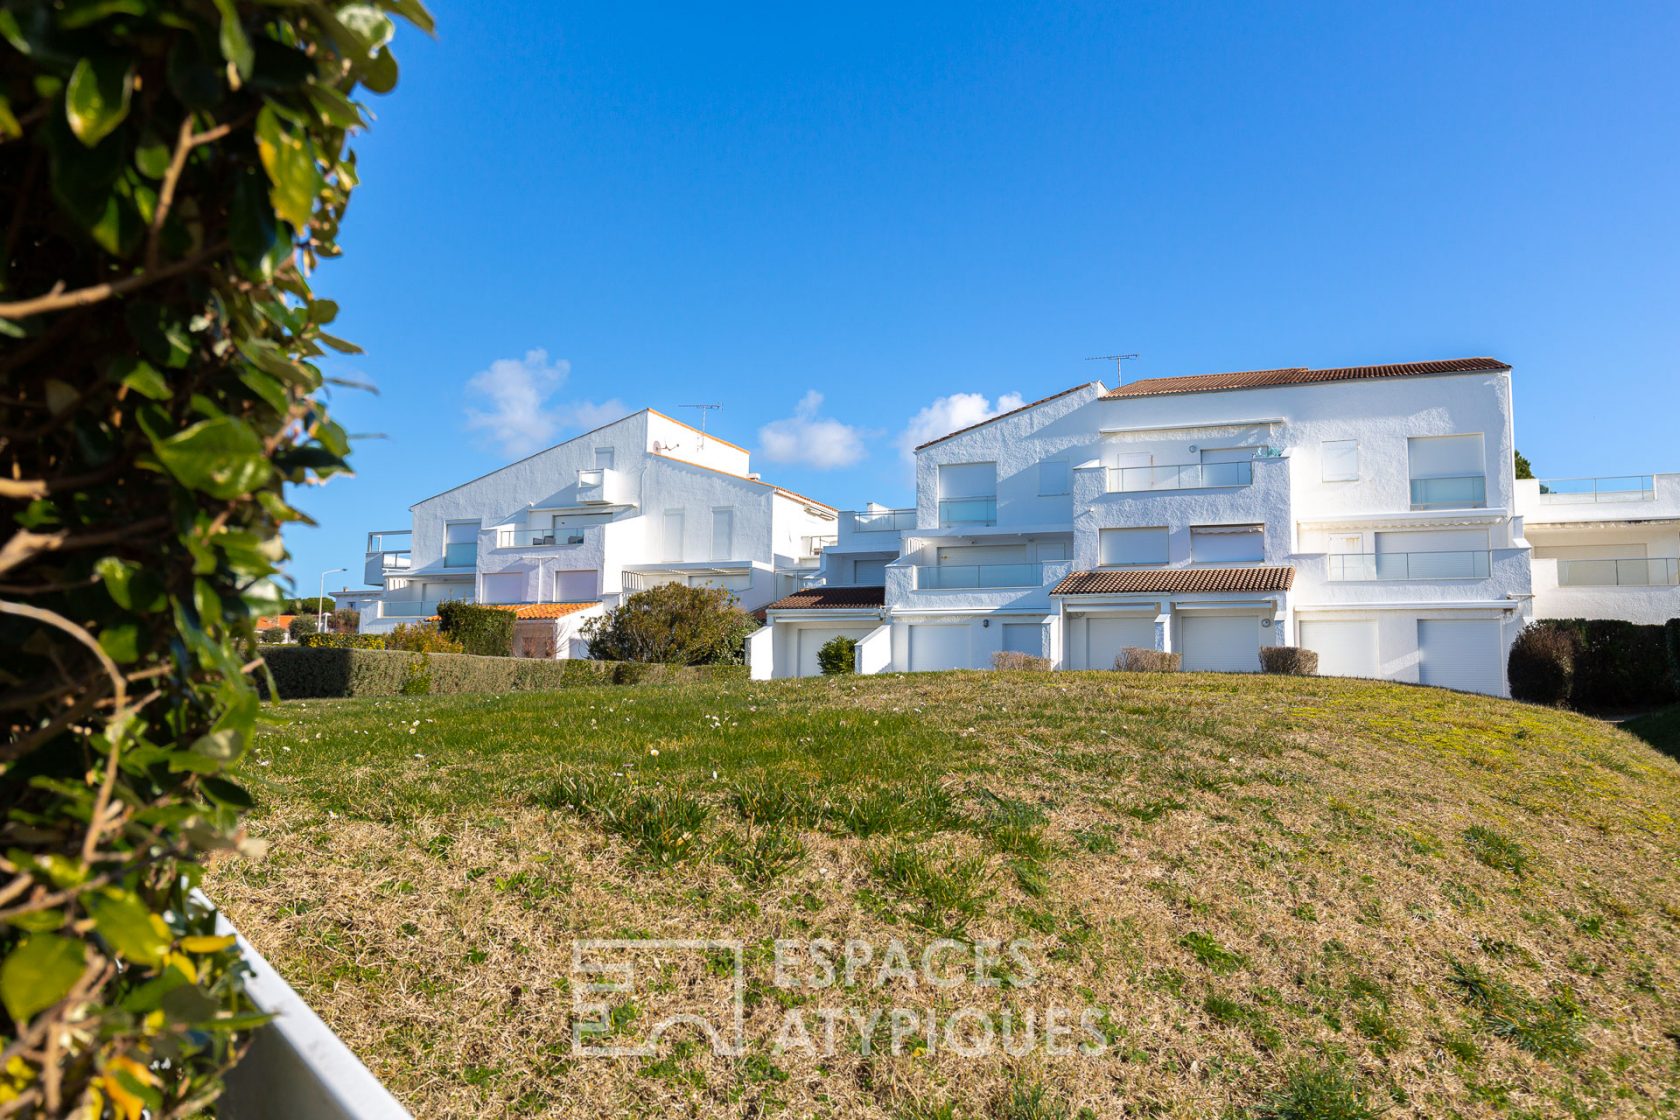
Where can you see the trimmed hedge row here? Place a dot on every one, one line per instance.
(1599, 664)
(302, 673)
(1291, 661)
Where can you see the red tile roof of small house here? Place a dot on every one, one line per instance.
(831, 598)
(1123, 581)
(1298, 375)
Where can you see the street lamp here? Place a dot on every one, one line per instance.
(320, 605)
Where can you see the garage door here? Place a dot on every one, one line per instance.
(1345, 649)
(813, 638)
(938, 647)
(575, 587)
(1466, 655)
(1106, 637)
(1024, 637)
(1221, 643)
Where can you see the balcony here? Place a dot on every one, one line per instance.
(1189, 476)
(730, 578)
(510, 537)
(417, 608)
(1371, 567)
(1455, 492)
(954, 513)
(1586, 491)
(1662, 571)
(601, 486)
(387, 551)
(951, 577)
(814, 545)
(460, 554)
(880, 520)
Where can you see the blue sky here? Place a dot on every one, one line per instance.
(922, 212)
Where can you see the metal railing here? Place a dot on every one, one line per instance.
(729, 579)
(394, 557)
(460, 554)
(1457, 492)
(417, 608)
(1627, 488)
(815, 544)
(881, 520)
(967, 511)
(1187, 476)
(1661, 571)
(948, 577)
(1366, 566)
(508, 537)
(382, 540)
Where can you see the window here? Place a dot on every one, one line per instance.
(671, 539)
(1055, 477)
(1448, 472)
(1340, 460)
(504, 587)
(723, 533)
(604, 457)
(1134, 547)
(967, 494)
(460, 544)
(1227, 544)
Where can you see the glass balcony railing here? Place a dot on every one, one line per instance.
(1360, 567)
(417, 608)
(954, 512)
(881, 520)
(1662, 571)
(1458, 492)
(460, 554)
(1570, 491)
(557, 537)
(950, 577)
(1187, 476)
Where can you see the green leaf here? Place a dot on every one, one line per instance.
(96, 101)
(413, 11)
(222, 457)
(224, 792)
(151, 155)
(10, 129)
(39, 973)
(121, 643)
(140, 376)
(127, 925)
(289, 160)
(379, 73)
(236, 46)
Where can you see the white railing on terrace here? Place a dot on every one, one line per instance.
(815, 545)
(950, 577)
(956, 512)
(393, 547)
(1627, 488)
(507, 537)
(1457, 492)
(1186, 476)
(1367, 566)
(732, 579)
(1661, 571)
(417, 608)
(881, 520)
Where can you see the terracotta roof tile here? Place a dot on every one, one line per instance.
(1298, 375)
(1173, 580)
(549, 610)
(1001, 415)
(831, 598)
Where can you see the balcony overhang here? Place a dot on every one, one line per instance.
(1413, 519)
(1212, 425)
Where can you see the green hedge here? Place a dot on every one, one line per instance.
(312, 673)
(1618, 665)
(482, 630)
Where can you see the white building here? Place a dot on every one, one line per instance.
(1369, 513)
(1604, 547)
(565, 533)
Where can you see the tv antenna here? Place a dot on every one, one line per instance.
(704, 409)
(1117, 359)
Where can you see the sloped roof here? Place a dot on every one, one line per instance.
(1174, 580)
(794, 494)
(831, 598)
(545, 610)
(1298, 375)
(1011, 412)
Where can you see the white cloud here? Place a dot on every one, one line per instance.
(810, 439)
(946, 414)
(513, 412)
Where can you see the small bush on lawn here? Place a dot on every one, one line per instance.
(271, 635)
(1542, 665)
(1290, 661)
(417, 637)
(485, 631)
(1134, 659)
(838, 655)
(1008, 659)
(673, 625)
(300, 625)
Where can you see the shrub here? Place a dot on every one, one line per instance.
(175, 173)
(344, 621)
(838, 655)
(1541, 667)
(1008, 659)
(343, 641)
(301, 625)
(416, 637)
(1134, 659)
(1617, 665)
(1292, 661)
(1671, 640)
(672, 624)
(485, 631)
(271, 635)
(301, 672)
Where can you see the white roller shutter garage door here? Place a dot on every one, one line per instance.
(1221, 643)
(813, 638)
(1464, 654)
(1345, 649)
(938, 647)
(576, 587)
(1106, 637)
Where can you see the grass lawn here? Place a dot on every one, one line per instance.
(1274, 897)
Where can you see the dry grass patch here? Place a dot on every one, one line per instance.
(1283, 897)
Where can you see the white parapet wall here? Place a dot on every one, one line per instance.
(761, 654)
(874, 650)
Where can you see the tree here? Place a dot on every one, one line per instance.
(1523, 468)
(311, 605)
(171, 174)
(674, 625)
(344, 620)
(300, 625)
